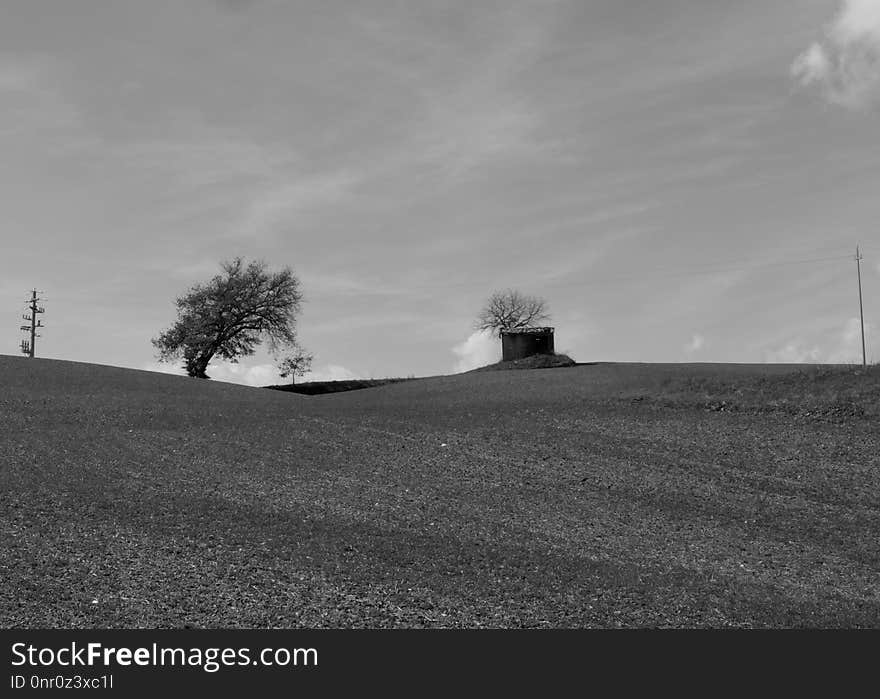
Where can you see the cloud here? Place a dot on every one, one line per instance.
(848, 348)
(794, 353)
(812, 65)
(845, 64)
(16, 78)
(30, 99)
(695, 345)
(208, 160)
(458, 138)
(330, 372)
(257, 375)
(164, 368)
(843, 348)
(235, 5)
(271, 209)
(478, 113)
(479, 349)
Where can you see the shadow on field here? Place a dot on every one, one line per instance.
(313, 388)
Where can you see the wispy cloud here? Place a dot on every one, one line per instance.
(481, 113)
(469, 138)
(271, 208)
(15, 77)
(845, 63)
(29, 99)
(236, 5)
(205, 160)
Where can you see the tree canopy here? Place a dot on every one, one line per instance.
(231, 314)
(297, 362)
(510, 310)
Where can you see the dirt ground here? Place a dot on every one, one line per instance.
(607, 495)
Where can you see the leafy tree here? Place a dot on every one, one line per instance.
(230, 315)
(297, 363)
(510, 310)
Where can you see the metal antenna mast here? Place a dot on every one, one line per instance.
(861, 313)
(28, 347)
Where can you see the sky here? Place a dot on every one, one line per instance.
(681, 180)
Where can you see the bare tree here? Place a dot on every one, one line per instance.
(510, 310)
(230, 315)
(297, 363)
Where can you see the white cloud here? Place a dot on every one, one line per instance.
(848, 347)
(812, 65)
(843, 348)
(696, 344)
(257, 375)
(858, 18)
(479, 349)
(794, 353)
(165, 368)
(845, 64)
(330, 372)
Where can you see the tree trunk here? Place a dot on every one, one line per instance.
(196, 366)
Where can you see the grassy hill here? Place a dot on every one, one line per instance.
(598, 496)
(535, 361)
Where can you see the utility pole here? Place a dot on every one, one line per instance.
(861, 313)
(28, 347)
